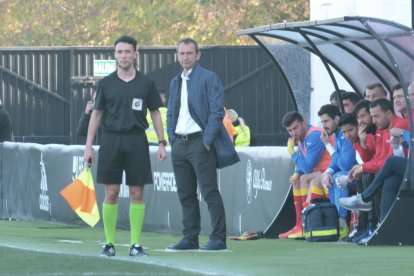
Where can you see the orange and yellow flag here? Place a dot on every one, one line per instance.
(81, 197)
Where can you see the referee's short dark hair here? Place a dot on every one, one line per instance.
(290, 117)
(127, 39)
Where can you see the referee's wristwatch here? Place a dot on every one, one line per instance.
(162, 142)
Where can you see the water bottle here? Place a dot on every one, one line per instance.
(396, 145)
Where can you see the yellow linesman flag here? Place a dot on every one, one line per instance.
(81, 197)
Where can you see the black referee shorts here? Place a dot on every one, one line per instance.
(124, 151)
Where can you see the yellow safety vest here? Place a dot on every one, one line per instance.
(150, 131)
(243, 136)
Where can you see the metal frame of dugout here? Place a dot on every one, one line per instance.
(360, 51)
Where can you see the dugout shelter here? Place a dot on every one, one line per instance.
(359, 51)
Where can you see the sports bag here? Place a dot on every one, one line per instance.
(320, 222)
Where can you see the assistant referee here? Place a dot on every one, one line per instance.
(122, 100)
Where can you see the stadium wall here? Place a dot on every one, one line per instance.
(32, 175)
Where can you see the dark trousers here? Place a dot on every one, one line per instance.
(370, 218)
(192, 162)
(388, 179)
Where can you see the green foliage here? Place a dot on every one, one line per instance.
(152, 22)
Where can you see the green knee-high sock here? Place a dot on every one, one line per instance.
(136, 220)
(110, 217)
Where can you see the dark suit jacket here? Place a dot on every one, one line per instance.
(206, 105)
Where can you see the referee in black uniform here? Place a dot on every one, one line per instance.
(122, 100)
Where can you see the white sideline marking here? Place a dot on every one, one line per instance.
(146, 260)
(70, 241)
(176, 251)
(192, 250)
(121, 244)
(215, 251)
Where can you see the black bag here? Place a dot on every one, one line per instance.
(320, 221)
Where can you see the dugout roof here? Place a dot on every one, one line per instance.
(359, 50)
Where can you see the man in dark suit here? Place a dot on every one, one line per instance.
(200, 144)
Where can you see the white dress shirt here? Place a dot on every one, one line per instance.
(185, 123)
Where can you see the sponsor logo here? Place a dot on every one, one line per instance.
(255, 181)
(77, 166)
(137, 104)
(249, 177)
(164, 182)
(44, 202)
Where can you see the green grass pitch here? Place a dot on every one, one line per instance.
(38, 248)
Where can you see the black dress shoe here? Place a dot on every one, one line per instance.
(184, 244)
(214, 245)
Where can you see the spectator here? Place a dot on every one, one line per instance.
(228, 124)
(343, 158)
(6, 133)
(82, 128)
(150, 131)
(242, 137)
(311, 159)
(349, 100)
(375, 91)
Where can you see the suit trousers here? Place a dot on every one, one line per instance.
(192, 162)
